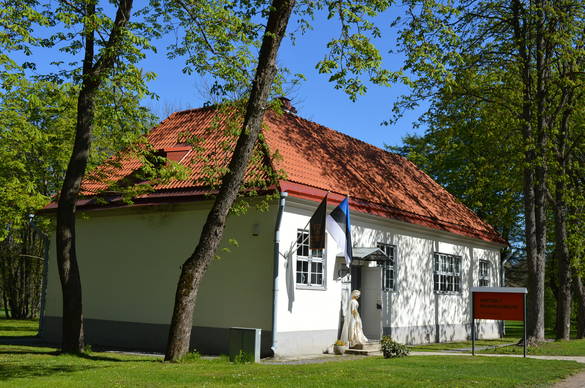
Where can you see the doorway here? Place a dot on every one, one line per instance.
(371, 301)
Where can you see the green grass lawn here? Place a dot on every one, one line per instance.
(38, 367)
(514, 331)
(44, 367)
(17, 328)
(435, 347)
(555, 348)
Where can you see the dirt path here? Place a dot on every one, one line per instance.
(575, 381)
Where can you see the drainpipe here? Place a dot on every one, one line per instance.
(275, 289)
(503, 269)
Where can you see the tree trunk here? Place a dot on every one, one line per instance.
(563, 323)
(194, 268)
(562, 255)
(536, 329)
(580, 297)
(534, 258)
(93, 75)
(534, 179)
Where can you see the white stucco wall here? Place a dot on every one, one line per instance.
(130, 262)
(416, 310)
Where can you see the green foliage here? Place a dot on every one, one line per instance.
(501, 79)
(37, 121)
(354, 53)
(192, 356)
(219, 38)
(392, 349)
(243, 357)
(472, 149)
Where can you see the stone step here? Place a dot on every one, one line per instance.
(371, 346)
(362, 352)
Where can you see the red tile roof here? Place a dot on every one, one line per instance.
(315, 159)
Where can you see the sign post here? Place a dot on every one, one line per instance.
(499, 303)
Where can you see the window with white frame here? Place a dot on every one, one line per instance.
(447, 273)
(310, 264)
(388, 267)
(484, 273)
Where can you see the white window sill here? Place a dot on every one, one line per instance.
(459, 293)
(315, 288)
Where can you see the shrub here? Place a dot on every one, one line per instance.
(340, 343)
(392, 349)
(243, 357)
(191, 356)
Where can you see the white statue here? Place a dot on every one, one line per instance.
(353, 332)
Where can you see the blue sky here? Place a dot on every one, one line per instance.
(315, 99)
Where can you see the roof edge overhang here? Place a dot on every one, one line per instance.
(156, 198)
(297, 190)
(302, 191)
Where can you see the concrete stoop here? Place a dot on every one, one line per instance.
(372, 348)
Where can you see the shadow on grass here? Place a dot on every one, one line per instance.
(85, 356)
(16, 371)
(19, 328)
(94, 357)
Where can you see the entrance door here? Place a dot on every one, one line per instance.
(371, 302)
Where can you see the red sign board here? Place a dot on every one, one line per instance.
(504, 306)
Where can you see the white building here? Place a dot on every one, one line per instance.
(434, 248)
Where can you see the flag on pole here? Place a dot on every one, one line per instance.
(339, 226)
(317, 226)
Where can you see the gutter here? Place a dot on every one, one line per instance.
(275, 288)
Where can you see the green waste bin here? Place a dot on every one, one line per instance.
(244, 344)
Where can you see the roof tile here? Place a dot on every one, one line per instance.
(379, 182)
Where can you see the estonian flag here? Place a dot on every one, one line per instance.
(339, 227)
(317, 226)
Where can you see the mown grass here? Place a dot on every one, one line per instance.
(44, 367)
(17, 328)
(434, 347)
(554, 348)
(514, 332)
(513, 335)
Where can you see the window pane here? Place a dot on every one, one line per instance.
(316, 273)
(302, 243)
(449, 283)
(317, 267)
(302, 272)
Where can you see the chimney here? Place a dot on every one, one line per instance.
(286, 104)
